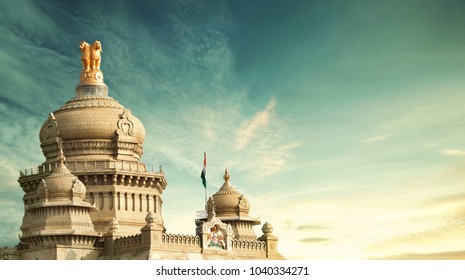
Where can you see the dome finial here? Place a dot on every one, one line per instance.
(61, 156)
(91, 60)
(226, 175)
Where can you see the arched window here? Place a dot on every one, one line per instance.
(133, 199)
(110, 200)
(126, 201)
(155, 203)
(100, 201)
(91, 198)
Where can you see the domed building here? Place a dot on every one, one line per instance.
(58, 215)
(103, 202)
(102, 142)
(232, 207)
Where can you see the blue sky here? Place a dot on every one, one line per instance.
(342, 121)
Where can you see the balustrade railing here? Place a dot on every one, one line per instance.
(128, 241)
(180, 239)
(76, 166)
(243, 244)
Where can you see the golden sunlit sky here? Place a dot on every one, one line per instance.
(343, 122)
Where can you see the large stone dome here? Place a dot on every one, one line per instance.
(93, 125)
(94, 118)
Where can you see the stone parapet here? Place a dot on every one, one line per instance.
(82, 166)
(250, 245)
(180, 240)
(129, 244)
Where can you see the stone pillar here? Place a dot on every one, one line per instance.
(152, 231)
(271, 242)
(110, 237)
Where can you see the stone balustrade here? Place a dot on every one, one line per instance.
(252, 245)
(82, 166)
(180, 239)
(185, 243)
(128, 241)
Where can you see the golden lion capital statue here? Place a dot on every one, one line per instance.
(90, 55)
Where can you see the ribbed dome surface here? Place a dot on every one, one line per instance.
(94, 118)
(59, 210)
(228, 201)
(93, 125)
(62, 185)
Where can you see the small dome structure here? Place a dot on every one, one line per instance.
(230, 202)
(59, 211)
(233, 208)
(61, 187)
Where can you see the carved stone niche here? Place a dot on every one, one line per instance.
(216, 235)
(50, 131)
(125, 125)
(127, 144)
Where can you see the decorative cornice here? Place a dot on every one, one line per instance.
(92, 101)
(86, 239)
(83, 147)
(69, 223)
(79, 145)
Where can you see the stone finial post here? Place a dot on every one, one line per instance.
(152, 231)
(110, 237)
(270, 240)
(211, 213)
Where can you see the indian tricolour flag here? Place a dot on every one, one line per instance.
(203, 175)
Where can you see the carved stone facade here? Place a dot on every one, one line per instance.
(93, 198)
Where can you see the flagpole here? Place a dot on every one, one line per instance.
(204, 176)
(205, 166)
(205, 197)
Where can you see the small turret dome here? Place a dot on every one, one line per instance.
(61, 187)
(228, 201)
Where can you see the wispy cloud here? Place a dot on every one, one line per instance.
(439, 230)
(454, 152)
(10, 198)
(455, 198)
(428, 145)
(194, 103)
(375, 139)
(271, 158)
(250, 128)
(311, 227)
(449, 255)
(314, 239)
